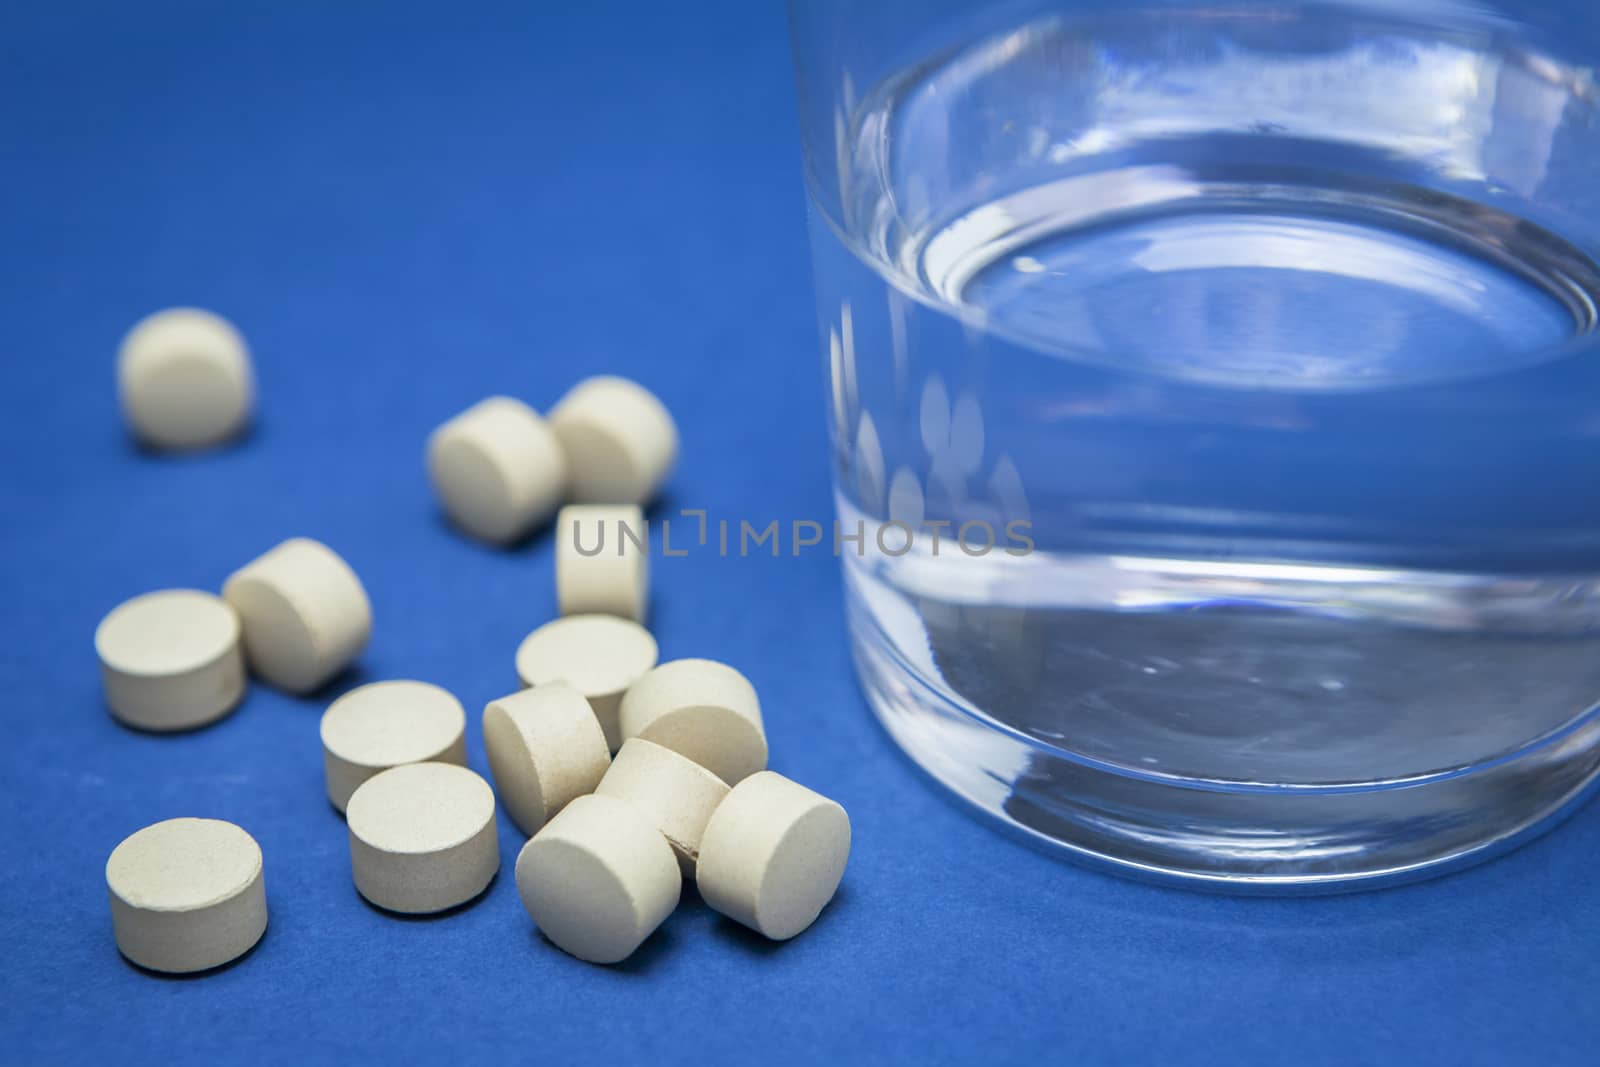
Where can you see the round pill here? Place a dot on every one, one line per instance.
(386, 724)
(702, 709)
(422, 837)
(171, 660)
(599, 655)
(304, 611)
(545, 749)
(674, 792)
(186, 895)
(602, 561)
(619, 439)
(598, 879)
(184, 379)
(498, 469)
(772, 855)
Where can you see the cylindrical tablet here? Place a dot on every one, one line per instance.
(602, 561)
(703, 709)
(772, 855)
(171, 660)
(545, 749)
(599, 655)
(305, 614)
(385, 724)
(672, 791)
(598, 879)
(184, 379)
(619, 439)
(187, 895)
(422, 837)
(497, 469)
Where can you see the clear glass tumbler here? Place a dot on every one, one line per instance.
(1218, 387)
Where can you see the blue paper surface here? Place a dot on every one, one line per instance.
(407, 208)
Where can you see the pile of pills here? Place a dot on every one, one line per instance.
(601, 656)
(628, 775)
(686, 796)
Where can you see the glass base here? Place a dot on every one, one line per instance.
(1225, 837)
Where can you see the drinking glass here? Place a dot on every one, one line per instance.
(1217, 388)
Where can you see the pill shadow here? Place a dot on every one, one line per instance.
(143, 731)
(351, 677)
(235, 442)
(667, 505)
(443, 523)
(432, 916)
(648, 955)
(184, 732)
(189, 976)
(645, 959)
(663, 507)
(742, 937)
(527, 544)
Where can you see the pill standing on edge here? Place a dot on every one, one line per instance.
(184, 379)
(772, 855)
(422, 837)
(702, 709)
(599, 655)
(602, 561)
(171, 660)
(672, 791)
(620, 440)
(598, 879)
(545, 749)
(386, 724)
(497, 469)
(304, 611)
(186, 895)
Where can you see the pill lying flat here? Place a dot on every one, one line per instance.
(304, 611)
(186, 895)
(545, 749)
(184, 379)
(598, 879)
(422, 837)
(702, 709)
(599, 655)
(620, 441)
(602, 561)
(772, 855)
(171, 660)
(675, 793)
(386, 724)
(498, 469)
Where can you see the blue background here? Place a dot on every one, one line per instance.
(406, 209)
